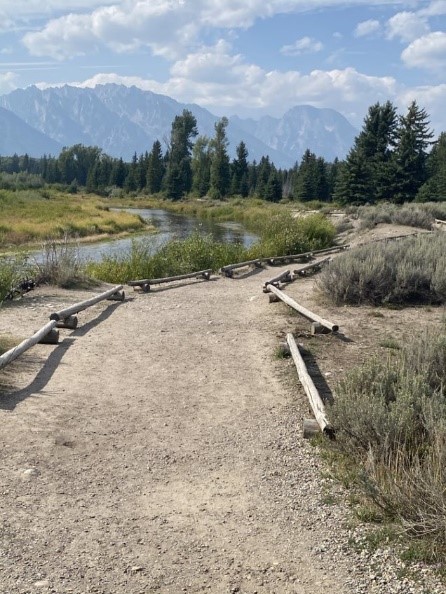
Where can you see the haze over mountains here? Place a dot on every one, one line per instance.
(123, 120)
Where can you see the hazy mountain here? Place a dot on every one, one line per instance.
(124, 120)
(17, 137)
(325, 132)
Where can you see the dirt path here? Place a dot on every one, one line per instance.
(158, 449)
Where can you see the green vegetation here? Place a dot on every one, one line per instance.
(410, 271)
(390, 421)
(61, 266)
(36, 215)
(412, 215)
(280, 235)
(12, 271)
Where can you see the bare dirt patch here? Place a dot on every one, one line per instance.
(158, 447)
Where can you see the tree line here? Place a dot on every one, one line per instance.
(393, 158)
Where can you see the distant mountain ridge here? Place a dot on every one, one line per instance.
(123, 120)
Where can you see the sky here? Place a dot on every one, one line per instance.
(244, 57)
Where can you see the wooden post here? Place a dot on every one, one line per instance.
(51, 338)
(70, 323)
(118, 296)
(302, 310)
(312, 267)
(284, 277)
(317, 406)
(26, 344)
(73, 309)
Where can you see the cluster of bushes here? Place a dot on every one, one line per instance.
(411, 215)
(410, 271)
(390, 422)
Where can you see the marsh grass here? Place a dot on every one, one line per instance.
(35, 215)
(61, 265)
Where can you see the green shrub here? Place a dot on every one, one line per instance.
(12, 271)
(390, 422)
(61, 265)
(412, 270)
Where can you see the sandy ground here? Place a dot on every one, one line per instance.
(158, 447)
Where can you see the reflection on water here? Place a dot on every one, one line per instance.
(170, 226)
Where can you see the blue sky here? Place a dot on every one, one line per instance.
(245, 57)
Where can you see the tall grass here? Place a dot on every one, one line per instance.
(410, 271)
(12, 271)
(35, 215)
(390, 421)
(61, 265)
(282, 235)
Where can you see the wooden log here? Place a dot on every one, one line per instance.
(118, 296)
(229, 268)
(26, 344)
(303, 310)
(440, 222)
(310, 428)
(272, 260)
(313, 266)
(146, 282)
(284, 277)
(70, 323)
(334, 248)
(51, 338)
(316, 403)
(77, 307)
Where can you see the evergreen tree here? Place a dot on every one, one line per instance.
(370, 158)
(131, 180)
(155, 169)
(239, 170)
(178, 179)
(263, 172)
(220, 180)
(410, 156)
(434, 190)
(273, 189)
(118, 173)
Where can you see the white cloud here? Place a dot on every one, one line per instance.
(366, 28)
(304, 45)
(428, 52)
(407, 26)
(8, 82)
(432, 99)
(168, 27)
(436, 8)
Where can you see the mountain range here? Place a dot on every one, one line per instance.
(123, 120)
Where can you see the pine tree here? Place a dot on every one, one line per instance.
(434, 190)
(273, 189)
(239, 169)
(410, 156)
(155, 169)
(178, 179)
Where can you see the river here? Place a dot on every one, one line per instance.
(169, 226)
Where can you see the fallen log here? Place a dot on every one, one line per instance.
(145, 283)
(77, 307)
(303, 310)
(284, 277)
(312, 267)
(272, 260)
(316, 403)
(330, 250)
(440, 222)
(229, 268)
(26, 344)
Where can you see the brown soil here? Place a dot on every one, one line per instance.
(158, 447)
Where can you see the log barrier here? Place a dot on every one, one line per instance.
(316, 403)
(115, 294)
(145, 283)
(228, 270)
(26, 344)
(312, 267)
(284, 277)
(301, 309)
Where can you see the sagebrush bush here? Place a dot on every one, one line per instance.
(410, 271)
(390, 422)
